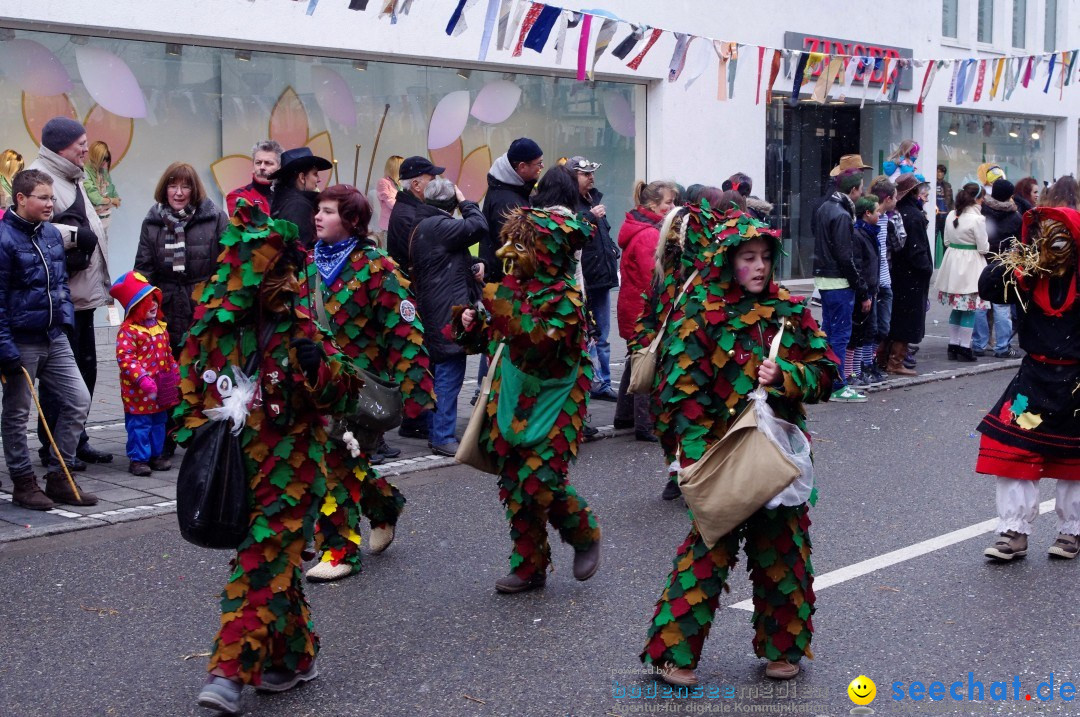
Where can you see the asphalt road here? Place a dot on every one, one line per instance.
(117, 620)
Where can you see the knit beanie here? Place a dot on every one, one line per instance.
(1002, 190)
(523, 149)
(60, 133)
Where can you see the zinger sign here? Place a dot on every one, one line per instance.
(836, 46)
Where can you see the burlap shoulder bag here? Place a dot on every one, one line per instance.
(737, 475)
(469, 450)
(643, 361)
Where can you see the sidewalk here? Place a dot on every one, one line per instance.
(124, 497)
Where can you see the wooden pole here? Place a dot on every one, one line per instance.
(375, 148)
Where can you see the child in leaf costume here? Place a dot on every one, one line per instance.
(537, 405)
(713, 357)
(250, 305)
(372, 314)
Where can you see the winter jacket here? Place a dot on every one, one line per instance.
(638, 237)
(600, 257)
(965, 252)
(911, 268)
(298, 207)
(759, 208)
(867, 255)
(834, 227)
(90, 286)
(402, 221)
(144, 351)
(100, 190)
(442, 273)
(1002, 223)
(201, 236)
(506, 192)
(1022, 205)
(35, 304)
(257, 195)
(386, 190)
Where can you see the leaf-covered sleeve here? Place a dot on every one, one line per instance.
(401, 340)
(809, 366)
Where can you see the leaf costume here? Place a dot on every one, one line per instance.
(537, 405)
(373, 318)
(717, 337)
(265, 622)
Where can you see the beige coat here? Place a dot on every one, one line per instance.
(961, 268)
(89, 287)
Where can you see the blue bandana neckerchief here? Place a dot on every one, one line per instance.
(330, 258)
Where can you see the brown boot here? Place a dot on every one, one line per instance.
(897, 352)
(28, 494)
(883, 354)
(59, 489)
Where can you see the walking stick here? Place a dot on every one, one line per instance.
(48, 432)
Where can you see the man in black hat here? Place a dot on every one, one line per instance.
(510, 182)
(296, 190)
(414, 175)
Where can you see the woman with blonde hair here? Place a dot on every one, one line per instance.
(98, 182)
(11, 163)
(387, 189)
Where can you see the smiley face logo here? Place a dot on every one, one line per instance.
(862, 690)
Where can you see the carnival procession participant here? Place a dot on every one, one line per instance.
(536, 409)
(366, 302)
(958, 277)
(1032, 431)
(296, 190)
(697, 405)
(250, 307)
(265, 160)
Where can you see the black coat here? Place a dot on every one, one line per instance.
(442, 273)
(912, 267)
(1002, 223)
(834, 229)
(202, 246)
(500, 200)
(402, 220)
(600, 257)
(298, 207)
(867, 255)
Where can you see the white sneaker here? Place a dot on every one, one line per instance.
(325, 572)
(848, 395)
(380, 539)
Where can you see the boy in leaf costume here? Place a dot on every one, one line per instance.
(537, 405)
(250, 305)
(372, 315)
(712, 359)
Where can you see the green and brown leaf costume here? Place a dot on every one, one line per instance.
(265, 622)
(540, 318)
(373, 319)
(717, 337)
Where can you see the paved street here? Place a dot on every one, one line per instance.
(117, 620)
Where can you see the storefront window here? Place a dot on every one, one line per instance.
(1022, 146)
(208, 106)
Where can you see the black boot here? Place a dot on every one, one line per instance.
(964, 353)
(953, 351)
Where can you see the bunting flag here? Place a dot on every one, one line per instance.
(541, 29)
(996, 82)
(531, 16)
(733, 67)
(979, 82)
(757, 83)
(724, 54)
(1050, 73)
(885, 76)
(852, 73)
(312, 4)
(774, 70)
(388, 10)
(566, 19)
(678, 57)
(457, 25)
(653, 37)
(1027, 72)
(833, 67)
(933, 67)
(1065, 67)
(868, 74)
(505, 8)
(894, 91)
(520, 6)
(603, 39)
(360, 5)
(1011, 77)
(628, 44)
(490, 18)
(961, 81)
(583, 47)
(800, 69)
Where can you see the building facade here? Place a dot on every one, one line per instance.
(202, 80)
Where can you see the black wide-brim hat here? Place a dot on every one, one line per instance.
(299, 160)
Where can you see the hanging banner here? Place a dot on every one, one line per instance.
(837, 46)
(800, 69)
(979, 83)
(505, 8)
(774, 70)
(541, 29)
(583, 47)
(636, 62)
(490, 19)
(360, 5)
(531, 16)
(678, 57)
(628, 44)
(603, 39)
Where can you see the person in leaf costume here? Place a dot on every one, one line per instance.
(251, 305)
(372, 314)
(537, 404)
(712, 359)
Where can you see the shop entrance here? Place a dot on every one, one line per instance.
(803, 144)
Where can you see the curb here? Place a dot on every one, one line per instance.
(935, 376)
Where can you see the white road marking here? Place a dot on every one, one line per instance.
(864, 567)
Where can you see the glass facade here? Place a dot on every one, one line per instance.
(207, 106)
(986, 21)
(949, 11)
(1050, 26)
(1022, 146)
(1019, 24)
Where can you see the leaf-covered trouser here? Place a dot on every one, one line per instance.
(778, 559)
(265, 618)
(530, 505)
(353, 489)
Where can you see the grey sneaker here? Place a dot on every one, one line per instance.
(1009, 545)
(222, 694)
(1066, 546)
(282, 680)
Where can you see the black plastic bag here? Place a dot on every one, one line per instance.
(211, 490)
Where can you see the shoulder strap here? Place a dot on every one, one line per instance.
(486, 389)
(412, 234)
(264, 339)
(316, 296)
(655, 343)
